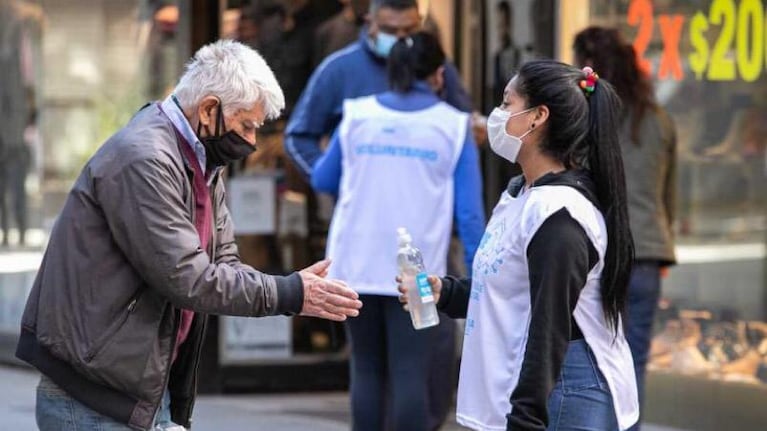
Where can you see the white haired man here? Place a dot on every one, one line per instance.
(144, 250)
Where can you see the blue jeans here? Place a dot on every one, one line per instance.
(643, 294)
(57, 411)
(392, 386)
(581, 399)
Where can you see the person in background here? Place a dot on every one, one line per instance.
(544, 346)
(340, 30)
(249, 26)
(648, 142)
(144, 250)
(283, 33)
(507, 58)
(15, 154)
(357, 71)
(399, 158)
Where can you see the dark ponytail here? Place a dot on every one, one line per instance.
(606, 165)
(582, 131)
(412, 59)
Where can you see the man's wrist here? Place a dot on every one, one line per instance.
(290, 294)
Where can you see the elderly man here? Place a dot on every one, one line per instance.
(144, 250)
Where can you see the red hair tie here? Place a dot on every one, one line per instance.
(589, 84)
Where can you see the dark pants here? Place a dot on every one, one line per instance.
(399, 376)
(13, 175)
(644, 291)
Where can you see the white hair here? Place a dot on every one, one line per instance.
(234, 73)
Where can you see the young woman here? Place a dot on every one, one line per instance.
(399, 158)
(648, 143)
(544, 347)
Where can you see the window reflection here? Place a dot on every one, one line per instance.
(711, 322)
(74, 72)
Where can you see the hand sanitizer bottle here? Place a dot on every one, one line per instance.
(423, 309)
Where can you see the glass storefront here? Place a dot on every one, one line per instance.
(269, 201)
(73, 72)
(708, 60)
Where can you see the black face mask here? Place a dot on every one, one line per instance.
(220, 150)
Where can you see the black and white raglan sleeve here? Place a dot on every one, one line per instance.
(560, 256)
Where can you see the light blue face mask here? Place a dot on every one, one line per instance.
(383, 43)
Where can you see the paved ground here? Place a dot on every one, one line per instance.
(325, 411)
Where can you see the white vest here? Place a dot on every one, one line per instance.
(397, 171)
(498, 317)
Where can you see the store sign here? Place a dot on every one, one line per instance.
(246, 340)
(739, 27)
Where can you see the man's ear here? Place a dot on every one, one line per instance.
(207, 110)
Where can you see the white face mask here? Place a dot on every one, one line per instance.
(502, 143)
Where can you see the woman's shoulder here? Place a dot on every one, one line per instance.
(656, 128)
(572, 190)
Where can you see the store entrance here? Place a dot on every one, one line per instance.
(512, 32)
(277, 220)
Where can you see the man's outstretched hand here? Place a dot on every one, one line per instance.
(327, 299)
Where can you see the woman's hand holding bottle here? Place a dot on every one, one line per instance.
(436, 289)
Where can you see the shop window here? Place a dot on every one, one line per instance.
(708, 61)
(74, 72)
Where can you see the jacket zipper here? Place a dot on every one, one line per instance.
(177, 320)
(203, 330)
(213, 200)
(198, 354)
(198, 348)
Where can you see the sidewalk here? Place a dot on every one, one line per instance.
(18, 267)
(322, 411)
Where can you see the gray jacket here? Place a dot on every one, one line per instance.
(123, 258)
(651, 185)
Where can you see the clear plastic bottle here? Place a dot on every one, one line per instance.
(423, 309)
